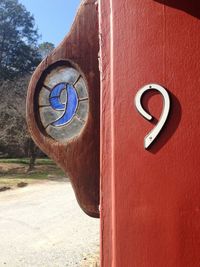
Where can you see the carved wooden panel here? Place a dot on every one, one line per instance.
(63, 106)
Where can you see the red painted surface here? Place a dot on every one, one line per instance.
(150, 199)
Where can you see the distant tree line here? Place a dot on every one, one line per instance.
(19, 56)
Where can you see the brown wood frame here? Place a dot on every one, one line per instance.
(79, 158)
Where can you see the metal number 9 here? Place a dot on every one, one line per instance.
(152, 135)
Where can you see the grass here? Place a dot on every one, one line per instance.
(25, 161)
(34, 175)
(14, 171)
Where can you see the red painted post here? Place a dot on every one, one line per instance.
(150, 198)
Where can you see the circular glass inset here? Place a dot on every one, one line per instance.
(63, 103)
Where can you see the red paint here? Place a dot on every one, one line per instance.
(150, 200)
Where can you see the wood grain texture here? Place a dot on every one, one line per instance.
(150, 201)
(79, 158)
(107, 241)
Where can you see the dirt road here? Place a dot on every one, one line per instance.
(42, 226)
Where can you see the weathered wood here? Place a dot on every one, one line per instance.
(78, 157)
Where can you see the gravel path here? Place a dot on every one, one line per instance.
(42, 226)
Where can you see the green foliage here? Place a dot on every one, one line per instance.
(18, 40)
(45, 49)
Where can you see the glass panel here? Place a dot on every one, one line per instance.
(44, 97)
(56, 91)
(61, 75)
(72, 103)
(66, 132)
(49, 115)
(83, 109)
(81, 89)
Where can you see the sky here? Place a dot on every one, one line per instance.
(53, 18)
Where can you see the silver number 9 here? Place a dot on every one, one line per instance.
(151, 136)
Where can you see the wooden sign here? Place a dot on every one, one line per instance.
(63, 107)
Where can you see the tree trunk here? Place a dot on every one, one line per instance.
(32, 154)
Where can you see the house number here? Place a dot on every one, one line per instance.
(153, 134)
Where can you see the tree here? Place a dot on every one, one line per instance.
(13, 133)
(18, 40)
(15, 140)
(45, 49)
(32, 153)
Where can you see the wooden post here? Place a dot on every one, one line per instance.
(150, 198)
